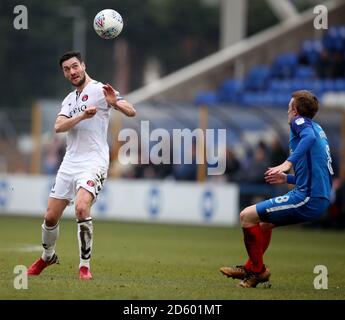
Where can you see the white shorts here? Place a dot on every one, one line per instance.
(70, 178)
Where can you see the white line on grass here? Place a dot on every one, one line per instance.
(23, 248)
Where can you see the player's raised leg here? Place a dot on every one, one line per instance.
(50, 233)
(83, 204)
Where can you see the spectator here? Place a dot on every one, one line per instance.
(53, 155)
(324, 66)
(232, 165)
(186, 171)
(259, 165)
(277, 153)
(338, 66)
(339, 204)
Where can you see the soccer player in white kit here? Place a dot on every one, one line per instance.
(84, 116)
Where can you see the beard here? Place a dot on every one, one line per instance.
(81, 81)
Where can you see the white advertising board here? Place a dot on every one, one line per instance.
(131, 200)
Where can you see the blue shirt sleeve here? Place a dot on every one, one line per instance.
(290, 179)
(308, 138)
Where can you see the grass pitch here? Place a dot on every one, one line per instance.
(161, 262)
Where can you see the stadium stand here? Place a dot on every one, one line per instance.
(318, 66)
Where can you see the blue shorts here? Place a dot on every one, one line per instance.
(291, 208)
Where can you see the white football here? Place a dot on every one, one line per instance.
(108, 24)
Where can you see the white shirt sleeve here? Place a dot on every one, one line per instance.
(65, 109)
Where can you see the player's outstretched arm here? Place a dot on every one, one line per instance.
(125, 107)
(122, 105)
(63, 124)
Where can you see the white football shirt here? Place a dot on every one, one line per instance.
(87, 141)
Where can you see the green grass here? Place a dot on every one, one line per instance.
(151, 261)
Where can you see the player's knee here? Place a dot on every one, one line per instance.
(243, 216)
(51, 218)
(81, 210)
(246, 218)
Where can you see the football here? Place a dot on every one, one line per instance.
(108, 24)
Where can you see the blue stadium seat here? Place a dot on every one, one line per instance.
(304, 72)
(333, 39)
(257, 78)
(267, 99)
(277, 85)
(249, 99)
(328, 85)
(272, 85)
(310, 51)
(315, 84)
(230, 91)
(297, 84)
(339, 85)
(209, 98)
(284, 65)
(282, 99)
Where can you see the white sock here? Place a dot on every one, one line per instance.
(85, 231)
(49, 236)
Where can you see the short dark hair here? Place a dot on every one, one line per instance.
(306, 103)
(69, 55)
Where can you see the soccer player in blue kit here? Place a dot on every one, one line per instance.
(312, 164)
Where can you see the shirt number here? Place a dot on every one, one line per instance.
(329, 160)
(281, 199)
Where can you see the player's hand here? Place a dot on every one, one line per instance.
(89, 112)
(285, 166)
(110, 94)
(278, 178)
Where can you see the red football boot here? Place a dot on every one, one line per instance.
(39, 265)
(84, 273)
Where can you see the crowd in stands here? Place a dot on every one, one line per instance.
(53, 153)
(249, 167)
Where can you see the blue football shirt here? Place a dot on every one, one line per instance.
(311, 158)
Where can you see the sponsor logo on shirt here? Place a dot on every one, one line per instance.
(85, 97)
(299, 121)
(90, 183)
(77, 110)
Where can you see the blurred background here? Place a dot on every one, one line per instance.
(221, 64)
